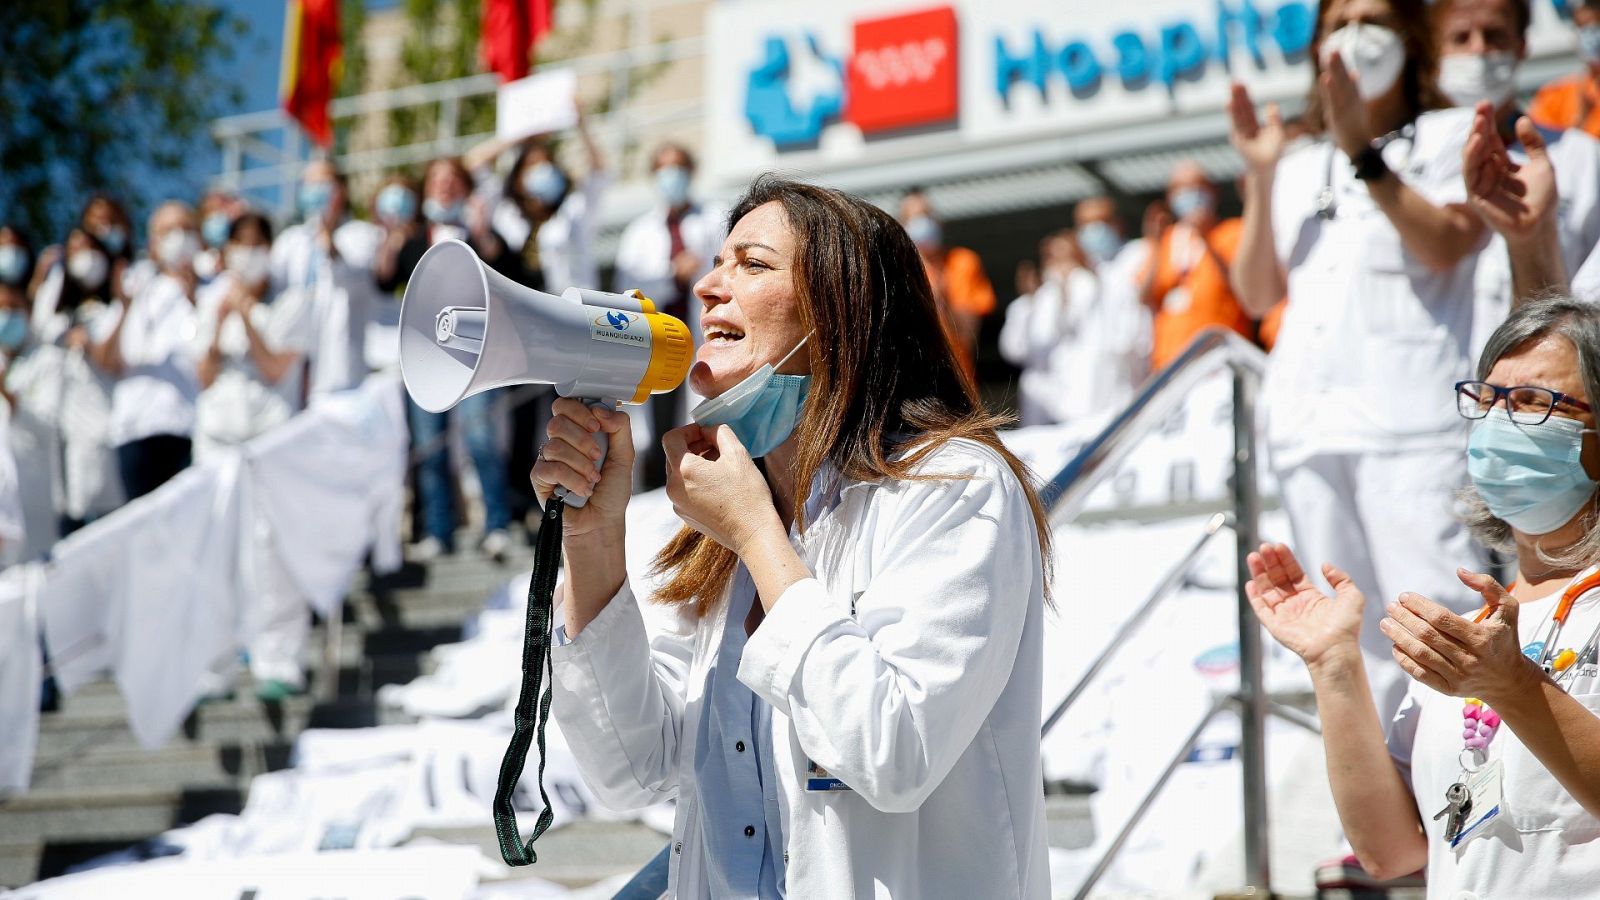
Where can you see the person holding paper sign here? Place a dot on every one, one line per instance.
(550, 221)
(1498, 733)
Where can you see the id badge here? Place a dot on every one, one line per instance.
(1484, 788)
(818, 779)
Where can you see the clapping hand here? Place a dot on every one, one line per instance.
(1515, 199)
(1259, 142)
(1456, 656)
(1346, 112)
(1295, 611)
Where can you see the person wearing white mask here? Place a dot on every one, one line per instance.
(251, 345)
(1574, 101)
(663, 253)
(1369, 234)
(1481, 44)
(144, 342)
(69, 399)
(329, 255)
(249, 342)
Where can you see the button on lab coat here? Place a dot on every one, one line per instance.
(909, 667)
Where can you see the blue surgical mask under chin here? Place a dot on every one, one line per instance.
(763, 409)
(1531, 476)
(13, 329)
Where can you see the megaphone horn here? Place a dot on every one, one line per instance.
(465, 329)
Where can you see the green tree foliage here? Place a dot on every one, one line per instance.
(441, 44)
(100, 94)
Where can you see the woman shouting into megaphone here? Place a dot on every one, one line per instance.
(850, 702)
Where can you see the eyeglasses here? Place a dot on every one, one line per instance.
(1524, 404)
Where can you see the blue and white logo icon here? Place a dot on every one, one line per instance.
(618, 320)
(789, 98)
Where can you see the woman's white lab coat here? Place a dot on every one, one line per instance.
(909, 668)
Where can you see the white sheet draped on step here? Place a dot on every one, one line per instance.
(156, 592)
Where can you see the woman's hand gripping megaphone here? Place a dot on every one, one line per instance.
(569, 459)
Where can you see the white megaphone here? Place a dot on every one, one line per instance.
(465, 328)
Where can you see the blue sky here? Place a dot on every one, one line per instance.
(255, 70)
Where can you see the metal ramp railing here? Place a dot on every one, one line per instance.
(1065, 495)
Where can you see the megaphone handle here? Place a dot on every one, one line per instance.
(574, 501)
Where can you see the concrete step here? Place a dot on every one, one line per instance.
(123, 813)
(1069, 821)
(169, 767)
(19, 862)
(236, 722)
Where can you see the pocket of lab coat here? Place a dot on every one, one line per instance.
(1404, 379)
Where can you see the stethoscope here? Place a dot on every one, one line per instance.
(1543, 650)
(1327, 200)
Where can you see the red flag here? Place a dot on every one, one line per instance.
(511, 28)
(311, 51)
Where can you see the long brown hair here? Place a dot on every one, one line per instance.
(1420, 77)
(884, 376)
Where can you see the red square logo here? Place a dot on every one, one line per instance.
(903, 71)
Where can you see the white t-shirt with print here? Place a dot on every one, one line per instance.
(156, 391)
(240, 403)
(1542, 844)
(1372, 340)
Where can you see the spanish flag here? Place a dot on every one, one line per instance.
(311, 50)
(510, 30)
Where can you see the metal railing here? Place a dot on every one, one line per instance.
(1065, 495)
(265, 149)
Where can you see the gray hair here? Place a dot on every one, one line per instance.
(1579, 322)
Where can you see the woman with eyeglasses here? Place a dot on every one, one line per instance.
(1490, 771)
(1368, 232)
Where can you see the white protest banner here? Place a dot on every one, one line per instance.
(539, 104)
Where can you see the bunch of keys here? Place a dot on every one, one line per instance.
(1458, 804)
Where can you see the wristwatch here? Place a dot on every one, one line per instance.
(1369, 164)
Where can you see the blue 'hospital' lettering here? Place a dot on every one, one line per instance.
(1177, 50)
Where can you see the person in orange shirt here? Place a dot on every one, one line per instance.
(960, 286)
(1574, 101)
(1185, 281)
